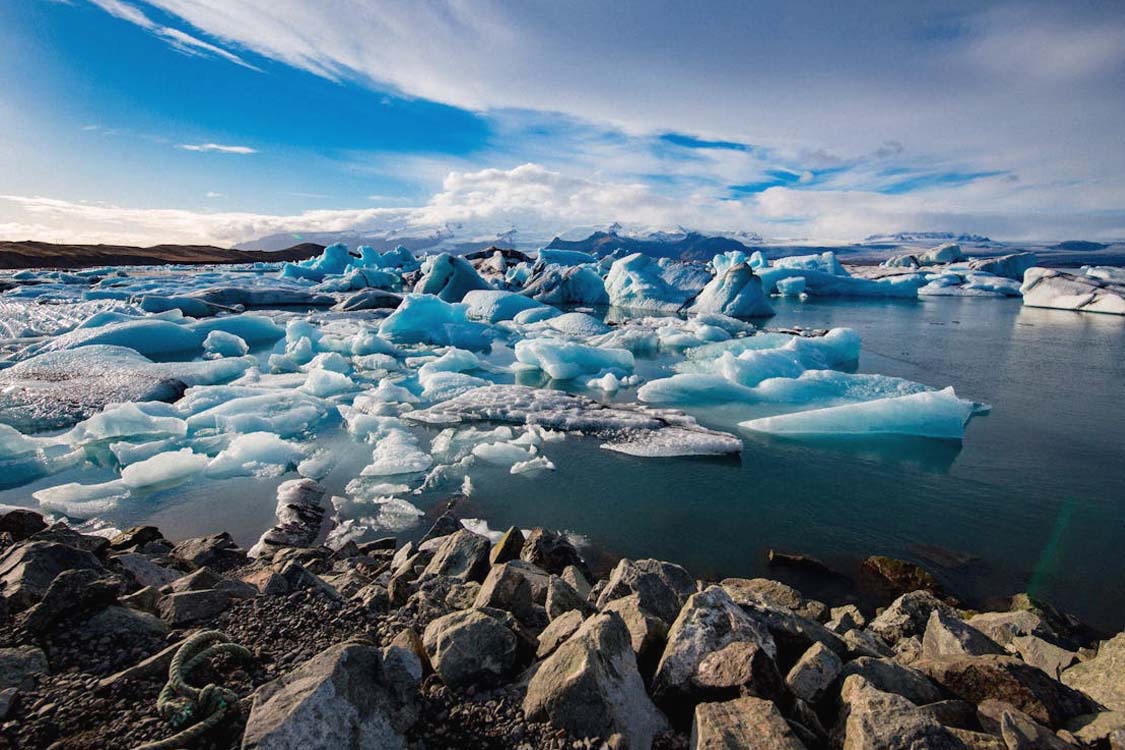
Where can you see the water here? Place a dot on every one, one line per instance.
(1034, 499)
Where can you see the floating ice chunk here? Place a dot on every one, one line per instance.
(565, 257)
(450, 445)
(723, 262)
(536, 315)
(146, 336)
(164, 468)
(675, 441)
(935, 414)
(1047, 287)
(610, 383)
(825, 262)
(193, 306)
(637, 281)
(317, 465)
(555, 285)
(564, 360)
(449, 278)
(267, 296)
(331, 361)
(400, 258)
(502, 454)
(372, 427)
(125, 421)
(532, 466)
(397, 453)
(824, 284)
(335, 259)
(285, 413)
(946, 253)
(222, 344)
(131, 453)
(82, 500)
(737, 292)
(388, 392)
(326, 383)
(576, 324)
(493, 306)
(255, 453)
(253, 329)
(427, 319)
(440, 386)
(14, 444)
(793, 286)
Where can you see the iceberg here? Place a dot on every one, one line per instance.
(1047, 287)
(1012, 266)
(736, 292)
(426, 319)
(932, 414)
(565, 257)
(220, 344)
(493, 306)
(563, 360)
(164, 469)
(449, 278)
(255, 453)
(578, 285)
(576, 324)
(397, 453)
(335, 259)
(637, 282)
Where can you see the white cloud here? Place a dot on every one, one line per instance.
(217, 147)
(212, 194)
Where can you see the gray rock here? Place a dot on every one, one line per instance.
(591, 687)
(190, 607)
(953, 713)
(741, 724)
(507, 588)
(21, 523)
(889, 676)
(577, 580)
(647, 633)
(877, 720)
(142, 571)
(462, 555)
(792, 633)
(299, 516)
(709, 622)
(9, 698)
(1047, 656)
(908, 615)
(60, 533)
(1007, 678)
(71, 594)
(473, 647)
(1101, 677)
(297, 577)
(137, 536)
(217, 551)
(765, 592)
(508, 548)
(845, 618)
(463, 595)
(663, 587)
(813, 673)
(146, 600)
(861, 643)
(551, 551)
(562, 598)
(537, 578)
(445, 525)
(124, 624)
(201, 579)
(1002, 627)
(374, 598)
(908, 650)
(341, 698)
(28, 568)
(268, 582)
(557, 633)
(1097, 729)
(1019, 731)
(21, 667)
(951, 636)
(409, 639)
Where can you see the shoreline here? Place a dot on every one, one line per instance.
(465, 643)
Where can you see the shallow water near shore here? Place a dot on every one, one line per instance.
(1034, 498)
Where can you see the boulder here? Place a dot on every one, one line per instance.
(813, 673)
(124, 625)
(662, 587)
(793, 634)
(908, 615)
(28, 568)
(1002, 627)
(557, 632)
(462, 555)
(769, 593)
(562, 598)
(590, 686)
(61, 533)
(1096, 730)
(951, 636)
(463, 595)
(647, 632)
(21, 667)
(146, 600)
(198, 580)
(21, 523)
(698, 664)
(551, 551)
(862, 643)
(508, 548)
(341, 698)
(1047, 656)
(1101, 678)
(577, 580)
(189, 607)
(889, 676)
(505, 587)
(1006, 678)
(409, 639)
(71, 594)
(137, 536)
(141, 570)
(845, 618)
(473, 647)
(741, 724)
(897, 577)
(445, 525)
(877, 720)
(217, 551)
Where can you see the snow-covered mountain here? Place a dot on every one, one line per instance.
(903, 238)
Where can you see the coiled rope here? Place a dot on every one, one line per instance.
(181, 704)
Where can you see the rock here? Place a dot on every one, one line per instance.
(889, 676)
(445, 525)
(908, 650)
(506, 588)
(1006, 678)
(1101, 677)
(374, 598)
(711, 621)
(462, 595)
(141, 570)
(299, 515)
(551, 551)
(741, 724)
(124, 624)
(409, 639)
(146, 600)
(897, 577)
(9, 699)
(217, 551)
(508, 548)
(591, 687)
(193, 606)
(60, 533)
(953, 713)
(1019, 731)
(381, 544)
(537, 578)
(908, 615)
(862, 643)
(797, 561)
(201, 579)
(137, 536)
(72, 593)
(1002, 627)
(877, 720)
(296, 578)
(21, 523)
(845, 618)
(21, 667)
(1047, 656)
(813, 673)
(1097, 729)
(338, 699)
(561, 598)
(27, 569)
(662, 587)
(647, 633)
(268, 582)
(1062, 624)
(473, 647)
(792, 633)
(555, 634)
(950, 636)
(768, 593)
(577, 580)
(463, 555)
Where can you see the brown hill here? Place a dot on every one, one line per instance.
(31, 254)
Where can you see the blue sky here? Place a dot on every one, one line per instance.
(222, 120)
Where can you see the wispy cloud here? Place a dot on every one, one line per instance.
(219, 147)
(211, 194)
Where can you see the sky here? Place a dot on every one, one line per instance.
(220, 121)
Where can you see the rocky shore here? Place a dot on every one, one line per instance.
(457, 642)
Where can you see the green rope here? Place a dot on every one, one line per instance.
(180, 704)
